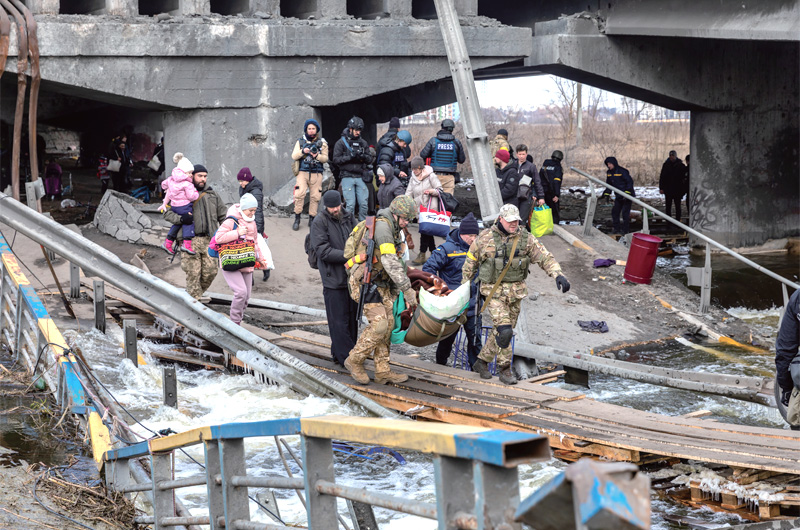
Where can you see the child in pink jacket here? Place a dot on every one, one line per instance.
(180, 194)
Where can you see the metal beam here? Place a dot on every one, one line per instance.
(170, 300)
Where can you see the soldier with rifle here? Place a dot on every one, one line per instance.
(377, 274)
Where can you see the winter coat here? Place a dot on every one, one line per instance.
(208, 211)
(322, 156)
(500, 142)
(551, 176)
(179, 188)
(508, 180)
(427, 181)
(529, 169)
(786, 345)
(672, 178)
(447, 261)
(388, 136)
(350, 166)
(429, 151)
(256, 189)
(395, 156)
(619, 178)
(328, 236)
(391, 188)
(118, 153)
(226, 232)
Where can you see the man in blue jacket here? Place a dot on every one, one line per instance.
(619, 177)
(446, 262)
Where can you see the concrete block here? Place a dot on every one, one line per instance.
(195, 7)
(43, 7)
(269, 7)
(398, 8)
(331, 8)
(467, 8)
(123, 8)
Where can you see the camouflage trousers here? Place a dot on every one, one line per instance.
(374, 341)
(504, 308)
(200, 268)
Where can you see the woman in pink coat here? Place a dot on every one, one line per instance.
(240, 281)
(180, 194)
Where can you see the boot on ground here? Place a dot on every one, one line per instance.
(296, 225)
(383, 378)
(266, 275)
(420, 259)
(357, 371)
(169, 246)
(507, 377)
(482, 368)
(186, 246)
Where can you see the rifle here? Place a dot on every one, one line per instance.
(366, 282)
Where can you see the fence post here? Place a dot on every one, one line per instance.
(99, 305)
(131, 351)
(645, 221)
(232, 464)
(18, 325)
(170, 386)
(216, 502)
(118, 475)
(705, 288)
(591, 206)
(74, 280)
(163, 500)
(318, 465)
(455, 489)
(496, 496)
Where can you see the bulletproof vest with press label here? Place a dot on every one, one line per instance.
(445, 155)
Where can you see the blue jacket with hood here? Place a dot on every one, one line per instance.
(446, 262)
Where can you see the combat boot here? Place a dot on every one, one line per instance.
(507, 377)
(482, 368)
(356, 370)
(389, 377)
(296, 225)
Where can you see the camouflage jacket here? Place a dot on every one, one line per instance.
(388, 247)
(483, 248)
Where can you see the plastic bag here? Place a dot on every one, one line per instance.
(445, 307)
(264, 253)
(541, 221)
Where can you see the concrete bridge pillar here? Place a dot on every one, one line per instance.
(316, 8)
(195, 7)
(124, 8)
(43, 7)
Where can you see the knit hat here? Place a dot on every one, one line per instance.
(417, 163)
(502, 132)
(247, 201)
(331, 199)
(311, 121)
(244, 174)
(503, 155)
(394, 123)
(469, 225)
(183, 163)
(200, 168)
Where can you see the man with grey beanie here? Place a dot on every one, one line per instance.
(329, 231)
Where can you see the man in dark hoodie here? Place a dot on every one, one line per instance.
(249, 184)
(309, 154)
(620, 178)
(530, 192)
(445, 152)
(394, 154)
(507, 177)
(671, 183)
(446, 262)
(351, 154)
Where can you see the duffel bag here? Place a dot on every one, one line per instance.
(425, 330)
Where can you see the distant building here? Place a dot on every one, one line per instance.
(436, 115)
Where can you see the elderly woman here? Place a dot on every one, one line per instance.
(240, 225)
(423, 186)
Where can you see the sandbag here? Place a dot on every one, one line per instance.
(445, 307)
(425, 330)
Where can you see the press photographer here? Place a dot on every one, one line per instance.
(353, 157)
(309, 156)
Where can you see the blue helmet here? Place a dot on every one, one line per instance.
(404, 136)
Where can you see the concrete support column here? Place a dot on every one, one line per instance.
(123, 8)
(467, 8)
(270, 7)
(331, 8)
(225, 140)
(195, 7)
(745, 180)
(43, 7)
(398, 8)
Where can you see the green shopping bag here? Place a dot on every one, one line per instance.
(541, 221)
(398, 335)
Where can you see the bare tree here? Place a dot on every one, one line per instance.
(563, 107)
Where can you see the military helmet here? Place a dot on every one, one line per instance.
(405, 136)
(557, 155)
(404, 206)
(448, 124)
(355, 123)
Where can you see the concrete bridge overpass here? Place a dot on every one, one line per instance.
(231, 82)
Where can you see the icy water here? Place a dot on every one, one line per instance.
(207, 398)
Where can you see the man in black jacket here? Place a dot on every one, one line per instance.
(786, 348)
(530, 191)
(620, 178)
(329, 231)
(507, 177)
(445, 152)
(551, 176)
(352, 156)
(671, 183)
(394, 153)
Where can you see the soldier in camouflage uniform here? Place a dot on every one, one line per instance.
(388, 279)
(209, 211)
(488, 256)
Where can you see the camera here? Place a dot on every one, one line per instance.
(314, 147)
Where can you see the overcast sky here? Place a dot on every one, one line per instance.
(524, 92)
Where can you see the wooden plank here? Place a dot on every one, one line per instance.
(188, 359)
(296, 324)
(698, 414)
(768, 511)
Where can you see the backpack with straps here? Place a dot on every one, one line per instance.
(311, 252)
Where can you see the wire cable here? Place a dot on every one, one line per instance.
(36, 498)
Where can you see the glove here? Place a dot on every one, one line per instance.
(785, 395)
(562, 284)
(410, 296)
(187, 218)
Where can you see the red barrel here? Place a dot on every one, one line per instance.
(642, 258)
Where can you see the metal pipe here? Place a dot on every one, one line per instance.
(691, 231)
(199, 480)
(22, 66)
(139, 474)
(269, 304)
(177, 303)
(284, 483)
(398, 504)
(192, 520)
(133, 488)
(252, 525)
(33, 100)
(483, 172)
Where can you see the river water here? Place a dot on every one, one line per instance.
(207, 398)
